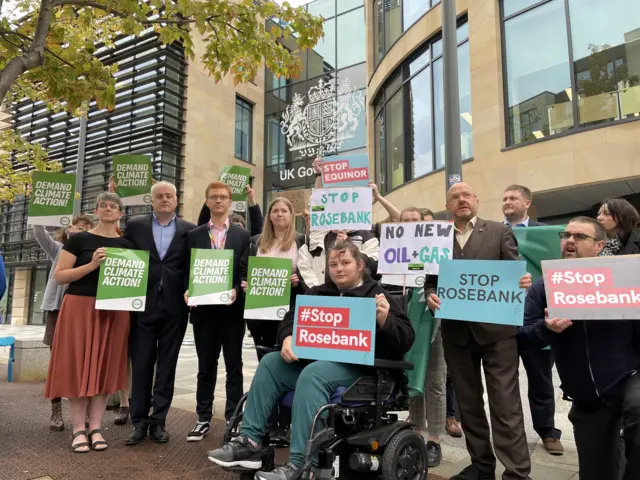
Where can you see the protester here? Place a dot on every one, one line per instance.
(598, 362)
(453, 428)
(238, 220)
(255, 214)
(53, 293)
(429, 406)
(394, 213)
(158, 332)
(279, 239)
(218, 327)
(619, 219)
(281, 372)
(538, 364)
(312, 258)
(89, 352)
(470, 346)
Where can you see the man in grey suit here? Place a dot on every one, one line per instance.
(538, 364)
(468, 345)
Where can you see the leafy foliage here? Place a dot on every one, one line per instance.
(48, 54)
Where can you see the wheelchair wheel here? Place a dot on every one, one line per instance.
(405, 457)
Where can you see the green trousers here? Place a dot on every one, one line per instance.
(313, 383)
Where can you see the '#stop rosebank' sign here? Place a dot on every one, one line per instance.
(337, 329)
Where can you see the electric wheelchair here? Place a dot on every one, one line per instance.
(356, 436)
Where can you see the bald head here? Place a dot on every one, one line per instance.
(462, 202)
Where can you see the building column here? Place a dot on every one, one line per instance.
(20, 296)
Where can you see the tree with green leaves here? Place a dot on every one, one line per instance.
(47, 54)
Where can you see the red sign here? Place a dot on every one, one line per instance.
(340, 172)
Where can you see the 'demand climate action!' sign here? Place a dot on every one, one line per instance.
(341, 209)
(602, 288)
(122, 283)
(237, 178)
(210, 277)
(484, 291)
(345, 170)
(268, 288)
(337, 329)
(133, 177)
(414, 247)
(52, 199)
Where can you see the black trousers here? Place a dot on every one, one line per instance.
(210, 337)
(538, 365)
(597, 435)
(155, 339)
(452, 401)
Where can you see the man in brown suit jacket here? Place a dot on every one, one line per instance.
(468, 345)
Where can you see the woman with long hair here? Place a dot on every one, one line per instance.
(619, 219)
(89, 353)
(278, 239)
(53, 293)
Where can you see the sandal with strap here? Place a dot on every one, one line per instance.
(97, 443)
(75, 448)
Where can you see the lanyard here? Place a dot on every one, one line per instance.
(213, 240)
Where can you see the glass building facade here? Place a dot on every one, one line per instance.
(409, 115)
(323, 112)
(147, 119)
(569, 65)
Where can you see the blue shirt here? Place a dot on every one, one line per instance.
(163, 234)
(524, 223)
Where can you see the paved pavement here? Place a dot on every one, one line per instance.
(455, 456)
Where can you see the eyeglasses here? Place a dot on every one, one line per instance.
(215, 198)
(580, 237)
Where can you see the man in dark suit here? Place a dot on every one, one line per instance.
(468, 345)
(538, 364)
(158, 332)
(217, 327)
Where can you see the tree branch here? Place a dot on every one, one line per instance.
(25, 37)
(118, 13)
(34, 57)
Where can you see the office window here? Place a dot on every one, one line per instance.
(244, 128)
(393, 17)
(411, 104)
(352, 32)
(559, 79)
(606, 59)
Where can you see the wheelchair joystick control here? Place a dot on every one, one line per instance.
(364, 462)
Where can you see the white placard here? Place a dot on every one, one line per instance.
(341, 209)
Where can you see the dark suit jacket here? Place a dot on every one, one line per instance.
(238, 241)
(489, 241)
(170, 271)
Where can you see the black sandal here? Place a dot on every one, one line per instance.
(97, 443)
(76, 448)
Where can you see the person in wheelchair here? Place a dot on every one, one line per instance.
(313, 382)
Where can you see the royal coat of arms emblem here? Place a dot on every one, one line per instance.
(329, 118)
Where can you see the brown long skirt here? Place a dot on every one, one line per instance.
(89, 353)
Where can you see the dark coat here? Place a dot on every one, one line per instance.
(593, 357)
(238, 241)
(170, 272)
(392, 341)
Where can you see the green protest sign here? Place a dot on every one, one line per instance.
(269, 288)
(237, 178)
(122, 284)
(52, 199)
(133, 176)
(210, 277)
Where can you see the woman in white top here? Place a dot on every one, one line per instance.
(53, 293)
